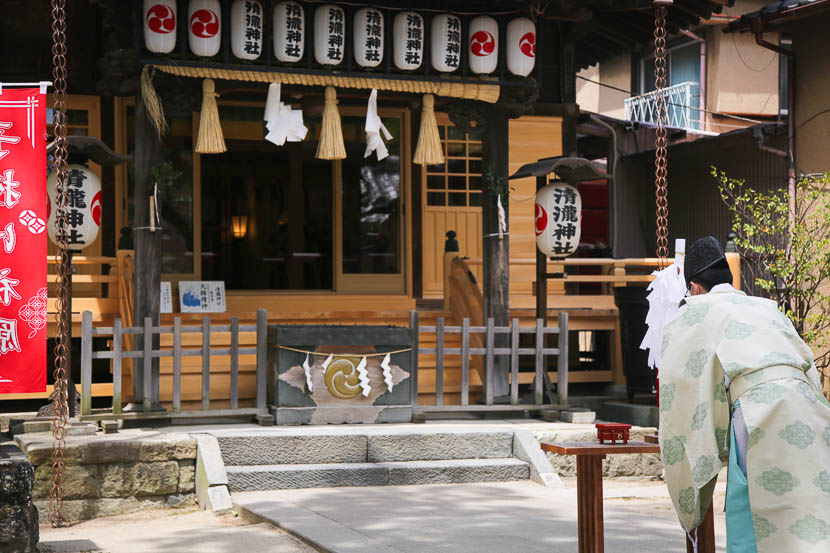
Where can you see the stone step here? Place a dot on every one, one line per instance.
(305, 447)
(280, 477)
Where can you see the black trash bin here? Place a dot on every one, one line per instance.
(633, 305)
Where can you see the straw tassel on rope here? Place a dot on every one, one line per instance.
(331, 136)
(210, 139)
(152, 103)
(429, 150)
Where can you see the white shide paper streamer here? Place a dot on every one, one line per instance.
(374, 126)
(283, 123)
(387, 372)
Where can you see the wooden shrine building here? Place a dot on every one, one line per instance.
(314, 230)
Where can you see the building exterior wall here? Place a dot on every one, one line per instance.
(812, 101)
(616, 72)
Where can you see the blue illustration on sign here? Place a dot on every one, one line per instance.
(191, 300)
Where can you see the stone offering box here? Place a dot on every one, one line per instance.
(346, 380)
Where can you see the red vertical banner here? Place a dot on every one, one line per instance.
(22, 240)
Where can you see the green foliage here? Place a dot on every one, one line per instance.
(786, 251)
(165, 175)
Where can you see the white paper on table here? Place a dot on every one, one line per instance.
(374, 126)
(283, 123)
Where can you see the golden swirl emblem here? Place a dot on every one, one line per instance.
(341, 378)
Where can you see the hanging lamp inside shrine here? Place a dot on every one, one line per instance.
(246, 29)
(483, 53)
(408, 33)
(521, 46)
(160, 26)
(329, 34)
(204, 27)
(368, 37)
(289, 32)
(446, 43)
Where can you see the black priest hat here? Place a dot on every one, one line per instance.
(703, 253)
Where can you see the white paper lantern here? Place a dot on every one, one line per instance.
(329, 34)
(446, 43)
(558, 219)
(83, 206)
(289, 32)
(246, 29)
(484, 44)
(204, 27)
(368, 37)
(408, 33)
(521, 46)
(160, 26)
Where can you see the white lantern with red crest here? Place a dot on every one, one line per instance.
(329, 34)
(484, 44)
(160, 26)
(289, 32)
(368, 37)
(558, 219)
(521, 46)
(408, 31)
(446, 43)
(246, 29)
(204, 27)
(83, 207)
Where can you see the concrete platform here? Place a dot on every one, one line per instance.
(515, 517)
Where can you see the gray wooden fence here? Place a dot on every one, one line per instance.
(489, 351)
(147, 354)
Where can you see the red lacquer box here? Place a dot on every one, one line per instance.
(612, 432)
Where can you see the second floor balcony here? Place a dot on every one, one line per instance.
(682, 107)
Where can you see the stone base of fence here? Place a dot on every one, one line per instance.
(110, 475)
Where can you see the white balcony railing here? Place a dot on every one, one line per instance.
(682, 106)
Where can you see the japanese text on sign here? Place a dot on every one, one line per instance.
(253, 26)
(336, 33)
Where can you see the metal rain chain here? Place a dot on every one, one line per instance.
(59, 74)
(660, 142)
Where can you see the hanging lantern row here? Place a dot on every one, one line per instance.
(204, 20)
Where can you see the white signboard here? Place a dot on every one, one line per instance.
(204, 296)
(166, 298)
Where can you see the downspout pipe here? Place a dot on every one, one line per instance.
(610, 175)
(756, 26)
(702, 42)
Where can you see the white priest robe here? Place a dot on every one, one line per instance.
(771, 371)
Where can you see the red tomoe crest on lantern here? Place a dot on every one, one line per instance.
(541, 219)
(484, 44)
(160, 26)
(521, 46)
(204, 23)
(96, 209)
(205, 27)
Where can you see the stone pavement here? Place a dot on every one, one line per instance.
(511, 517)
(160, 531)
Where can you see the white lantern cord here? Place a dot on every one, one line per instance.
(374, 126)
(283, 123)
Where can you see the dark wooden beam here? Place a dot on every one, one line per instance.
(147, 280)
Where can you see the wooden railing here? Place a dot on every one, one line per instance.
(486, 336)
(118, 353)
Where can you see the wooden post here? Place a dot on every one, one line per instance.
(705, 534)
(589, 503)
(86, 363)
(147, 275)
(261, 353)
(205, 363)
(496, 244)
(465, 361)
(439, 362)
(116, 366)
(562, 367)
(177, 364)
(413, 357)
